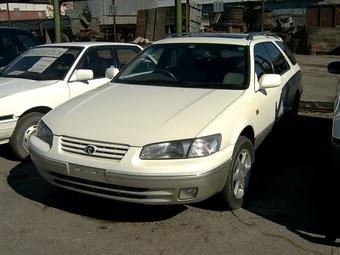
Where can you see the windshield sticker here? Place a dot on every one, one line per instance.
(41, 65)
(15, 73)
(46, 52)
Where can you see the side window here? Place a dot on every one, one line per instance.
(279, 62)
(125, 54)
(288, 52)
(27, 41)
(8, 48)
(263, 63)
(97, 59)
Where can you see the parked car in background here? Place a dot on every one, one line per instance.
(179, 124)
(48, 75)
(13, 42)
(334, 68)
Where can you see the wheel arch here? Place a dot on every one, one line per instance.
(246, 130)
(41, 109)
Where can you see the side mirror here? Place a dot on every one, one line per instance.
(2, 68)
(334, 67)
(111, 72)
(270, 81)
(82, 75)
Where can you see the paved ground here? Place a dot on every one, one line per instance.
(290, 210)
(318, 84)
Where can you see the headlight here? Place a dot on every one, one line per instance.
(44, 133)
(205, 146)
(190, 148)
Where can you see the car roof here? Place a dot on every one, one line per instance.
(219, 38)
(15, 29)
(87, 44)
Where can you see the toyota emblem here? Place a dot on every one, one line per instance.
(90, 149)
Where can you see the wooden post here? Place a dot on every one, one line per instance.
(114, 23)
(187, 16)
(8, 15)
(262, 16)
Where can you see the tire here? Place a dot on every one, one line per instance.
(293, 114)
(25, 127)
(239, 174)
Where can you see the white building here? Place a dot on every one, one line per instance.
(126, 10)
(29, 7)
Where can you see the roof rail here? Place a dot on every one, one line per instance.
(184, 34)
(266, 33)
(208, 34)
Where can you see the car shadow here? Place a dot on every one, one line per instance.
(293, 183)
(26, 181)
(6, 153)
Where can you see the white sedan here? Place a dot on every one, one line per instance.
(48, 75)
(179, 124)
(334, 68)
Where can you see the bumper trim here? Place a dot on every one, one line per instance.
(132, 188)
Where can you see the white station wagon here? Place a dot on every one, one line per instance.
(179, 124)
(48, 75)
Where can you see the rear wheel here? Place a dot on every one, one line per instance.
(25, 127)
(239, 174)
(293, 114)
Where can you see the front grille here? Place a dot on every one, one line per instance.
(71, 179)
(111, 190)
(103, 150)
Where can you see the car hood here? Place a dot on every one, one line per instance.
(139, 115)
(10, 86)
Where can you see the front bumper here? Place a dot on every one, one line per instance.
(6, 130)
(103, 181)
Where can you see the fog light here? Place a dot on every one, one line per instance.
(187, 193)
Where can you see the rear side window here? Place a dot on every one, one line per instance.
(97, 59)
(263, 63)
(27, 40)
(288, 52)
(8, 48)
(279, 61)
(125, 54)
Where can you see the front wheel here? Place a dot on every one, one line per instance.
(25, 127)
(239, 173)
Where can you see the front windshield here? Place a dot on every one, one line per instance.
(43, 63)
(218, 66)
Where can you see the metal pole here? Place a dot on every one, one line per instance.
(57, 23)
(114, 23)
(262, 16)
(178, 9)
(9, 15)
(187, 16)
